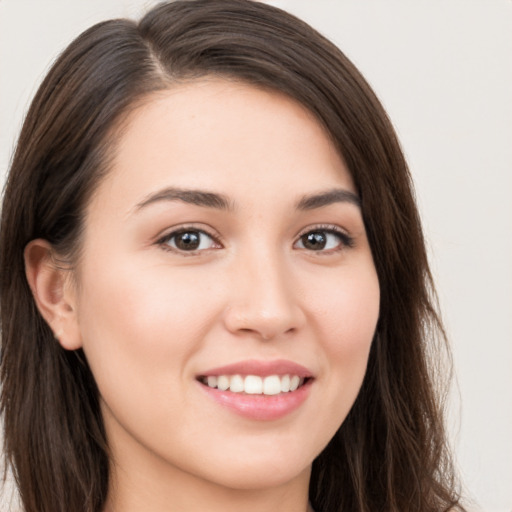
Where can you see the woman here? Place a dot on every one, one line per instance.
(214, 287)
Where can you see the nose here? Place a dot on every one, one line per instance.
(263, 299)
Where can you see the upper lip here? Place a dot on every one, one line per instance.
(261, 368)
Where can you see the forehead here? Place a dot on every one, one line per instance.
(223, 136)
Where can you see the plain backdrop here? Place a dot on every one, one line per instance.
(443, 70)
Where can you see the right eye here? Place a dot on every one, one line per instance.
(188, 240)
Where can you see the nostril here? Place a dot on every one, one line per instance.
(263, 316)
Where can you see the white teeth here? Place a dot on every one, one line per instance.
(222, 382)
(254, 384)
(285, 383)
(237, 384)
(272, 385)
(294, 383)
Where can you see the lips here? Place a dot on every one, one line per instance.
(262, 390)
(254, 384)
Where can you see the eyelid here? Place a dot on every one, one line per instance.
(347, 241)
(162, 239)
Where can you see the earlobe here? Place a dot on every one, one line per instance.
(53, 292)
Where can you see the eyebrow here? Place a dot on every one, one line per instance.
(221, 202)
(196, 197)
(313, 201)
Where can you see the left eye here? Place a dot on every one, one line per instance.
(321, 240)
(189, 240)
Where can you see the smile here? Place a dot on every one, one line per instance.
(254, 384)
(258, 390)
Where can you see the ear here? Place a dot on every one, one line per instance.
(54, 292)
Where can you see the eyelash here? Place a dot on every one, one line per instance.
(163, 242)
(345, 240)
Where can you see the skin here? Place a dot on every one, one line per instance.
(151, 318)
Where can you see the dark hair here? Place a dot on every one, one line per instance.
(390, 453)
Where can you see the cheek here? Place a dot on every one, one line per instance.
(347, 317)
(136, 298)
(137, 322)
(349, 312)
(141, 327)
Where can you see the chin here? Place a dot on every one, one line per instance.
(258, 477)
(259, 469)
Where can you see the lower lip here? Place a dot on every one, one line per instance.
(261, 407)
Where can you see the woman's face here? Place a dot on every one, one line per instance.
(225, 248)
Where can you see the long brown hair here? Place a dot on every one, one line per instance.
(390, 453)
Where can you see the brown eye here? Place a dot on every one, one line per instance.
(314, 241)
(189, 240)
(324, 240)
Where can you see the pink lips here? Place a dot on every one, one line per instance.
(260, 407)
(261, 368)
